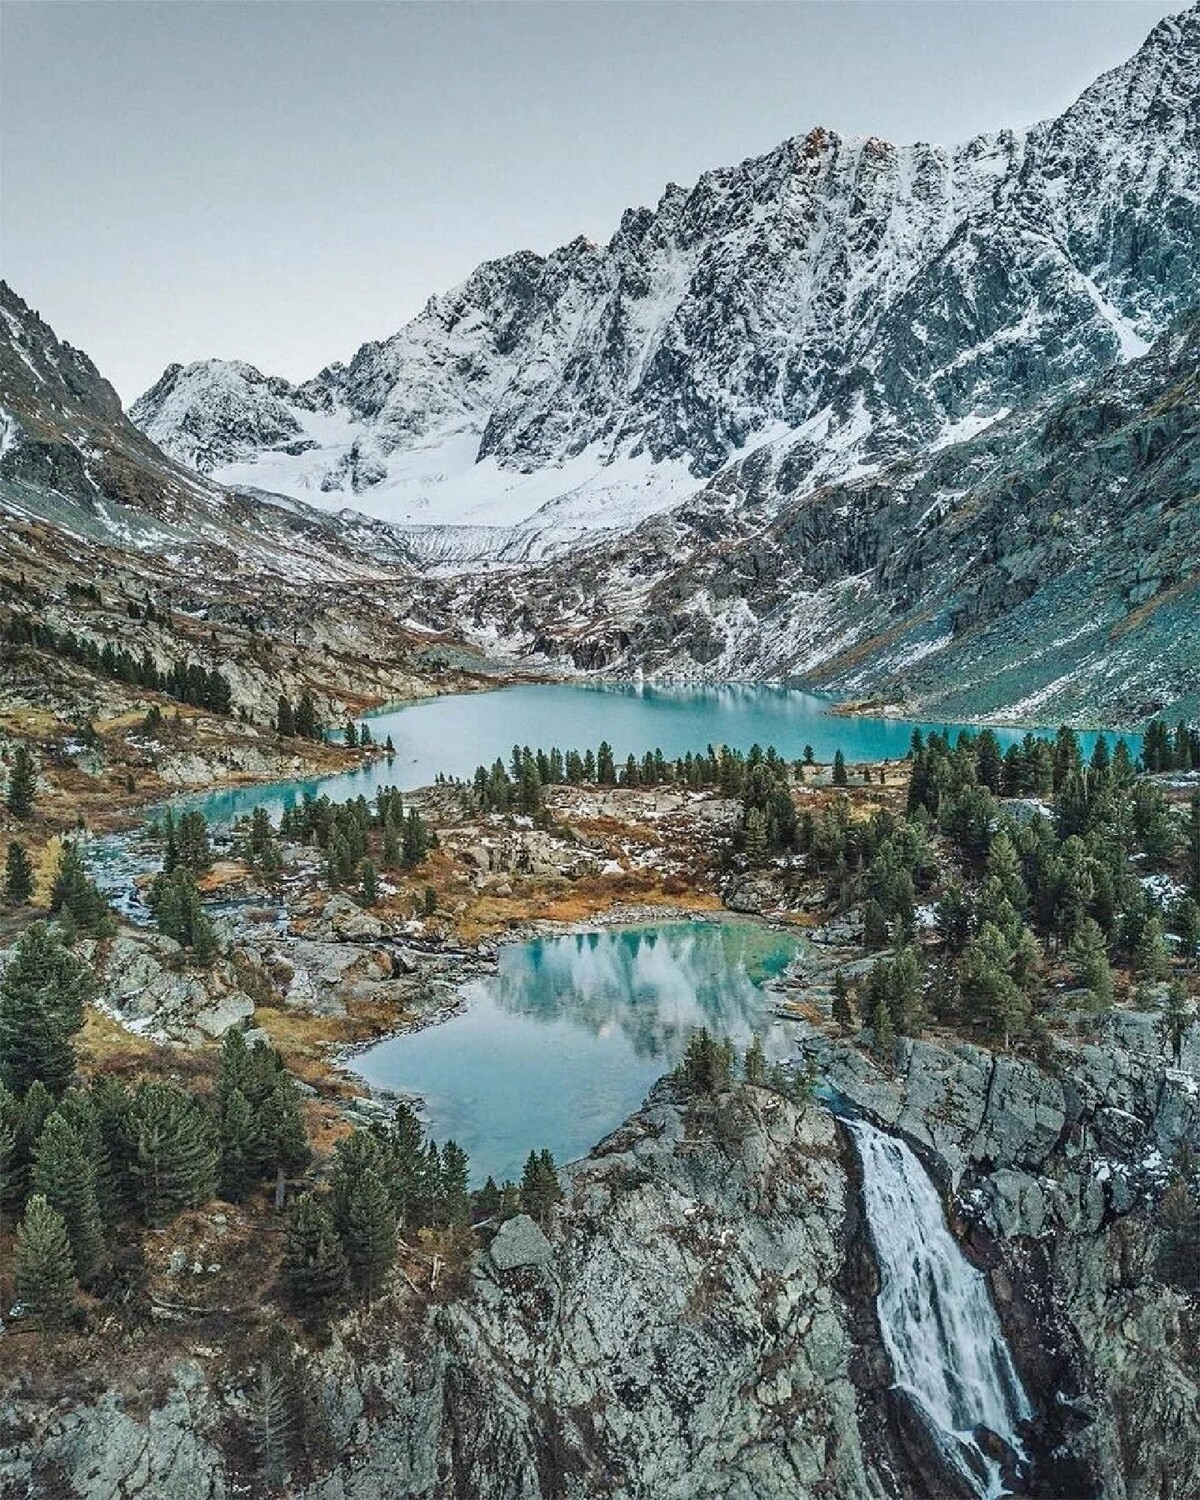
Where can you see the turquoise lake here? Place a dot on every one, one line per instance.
(454, 734)
(565, 1039)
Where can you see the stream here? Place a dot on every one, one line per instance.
(939, 1325)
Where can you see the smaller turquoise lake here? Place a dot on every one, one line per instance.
(564, 1041)
(456, 733)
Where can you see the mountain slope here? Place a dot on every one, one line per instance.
(96, 522)
(70, 456)
(865, 298)
(1047, 568)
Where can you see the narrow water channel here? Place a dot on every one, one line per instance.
(939, 1325)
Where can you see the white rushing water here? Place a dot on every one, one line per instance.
(939, 1325)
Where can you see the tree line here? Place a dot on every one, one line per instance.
(185, 680)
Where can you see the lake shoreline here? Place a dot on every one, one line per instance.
(375, 1100)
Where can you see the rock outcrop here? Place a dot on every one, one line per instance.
(699, 1318)
(1054, 1174)
(678, 1333)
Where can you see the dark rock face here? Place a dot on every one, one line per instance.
(701, 1320)
(688, 1331)
(1054, 1178)
(62, 430)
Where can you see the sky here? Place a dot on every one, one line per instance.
(280, 180)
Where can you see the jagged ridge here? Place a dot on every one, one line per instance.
(868, 298)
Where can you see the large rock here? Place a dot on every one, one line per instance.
(519, 1243)
(345, 922)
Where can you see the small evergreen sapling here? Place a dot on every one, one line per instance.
(22, 783)
(18, 875)
(46, 1287)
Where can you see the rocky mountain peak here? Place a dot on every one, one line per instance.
(838, 299)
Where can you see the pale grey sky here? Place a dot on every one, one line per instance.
(278, 180)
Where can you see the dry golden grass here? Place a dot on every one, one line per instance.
(306, 1042)
(105, 1046)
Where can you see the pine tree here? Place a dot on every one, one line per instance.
(1193, 842)
(754, 1064)
(350, 734)
(707, 1064)
(42, 993)
(315, 1275)
(200, 930)
(306, 717)
(456, 1201)
(112, 1102)
(885, 1032)
(1187, 927)
(240, 1147)
(10, 1112)
(369, 1236)
(1088, 957)
(488, 1199)
(283, 1140)
(839, 770)
(75, 897)
(64, 1174)
(843, 1010)
(989, 763)
(18, 875)
(540, 1188)
(990, 993)
(756, 837)
(360, 1152)
(261, 1122)
(22, 783)
(170, 843)
(45, 1271)
(195, 850)
(606, 769)
(369, 883)
(416, 839)
(875, 926)
(260, 841)
(391, 846)
(1151, 959)
(285, 719)
(1175, 1020)
(176, 1159)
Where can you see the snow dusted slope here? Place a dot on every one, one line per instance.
(1046, 568)
(70, 458)
(827, 307)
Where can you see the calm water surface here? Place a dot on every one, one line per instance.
(564, 1041)
(456, 733)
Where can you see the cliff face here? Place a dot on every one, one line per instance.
(701, 1320)
(1053, 1176)
(682, 1336)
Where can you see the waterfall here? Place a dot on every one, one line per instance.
(939, 1326)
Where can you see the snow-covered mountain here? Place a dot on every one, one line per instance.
(836, 302)
(1047, 568)
(70, 458)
